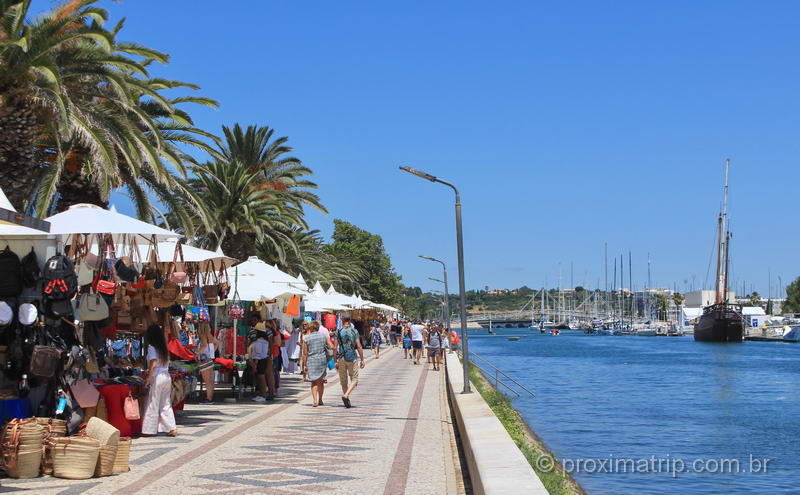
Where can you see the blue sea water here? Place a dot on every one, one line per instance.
(629, 409)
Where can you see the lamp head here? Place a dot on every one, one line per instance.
(418, 173)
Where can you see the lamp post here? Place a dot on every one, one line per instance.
(461, 290)
(444, 297)
(446, 290)
(441, 303)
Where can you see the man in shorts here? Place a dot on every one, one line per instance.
(349, 344)
(417, 337)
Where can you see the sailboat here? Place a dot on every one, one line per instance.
(721, 321)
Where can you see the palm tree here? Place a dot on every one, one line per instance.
(285, 175)
(33, 98)
(100, 122)
(234, 213)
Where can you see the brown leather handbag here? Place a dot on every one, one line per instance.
(211, 290)
(45, 360)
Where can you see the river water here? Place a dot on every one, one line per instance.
(659, 415)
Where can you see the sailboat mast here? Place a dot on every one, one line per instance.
(630, 281)
(727, 230)
(606, 272)
(722, 240)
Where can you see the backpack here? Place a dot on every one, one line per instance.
(347, 347)
(10, 273)
(30, 270)
(59, 279)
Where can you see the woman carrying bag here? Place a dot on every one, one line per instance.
(158, 415)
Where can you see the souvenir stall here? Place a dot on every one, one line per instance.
(260, 291)
(74, 304)
(43, 363)
(323, 307)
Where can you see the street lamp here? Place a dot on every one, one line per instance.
(444, 298)
(462, 293)
(446, 290)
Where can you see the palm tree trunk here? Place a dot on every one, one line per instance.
(240, 245)
(74, 188)
(18, 166)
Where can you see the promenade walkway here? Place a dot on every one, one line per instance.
(396, 439)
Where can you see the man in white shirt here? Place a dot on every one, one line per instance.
(417, 331)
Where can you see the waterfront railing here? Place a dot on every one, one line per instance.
(514, 387)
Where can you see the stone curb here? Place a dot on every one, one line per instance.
(496, 466)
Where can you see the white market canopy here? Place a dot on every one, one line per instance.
(318, 300)
(14, 229)
(91, 219)
(257, 281)
(206, 258)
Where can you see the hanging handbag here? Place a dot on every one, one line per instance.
(105, 287)
(131, 408)
(177, 277)
(124, 265)
(125, 272)
(151, 271)
(224, 286)
(45, 360)
(211, 291)
(92, 307)
(186, 297)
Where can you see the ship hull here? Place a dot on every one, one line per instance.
(720, 323)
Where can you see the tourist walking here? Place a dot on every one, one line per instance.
(434, 341)
(349, 344)
(158, 415)
(417, 338)
(205, 357)
(375, 340)
(316, 349)
(405, 335)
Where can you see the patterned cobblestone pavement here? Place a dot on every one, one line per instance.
(396, 439)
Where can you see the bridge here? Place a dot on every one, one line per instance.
(523, 319)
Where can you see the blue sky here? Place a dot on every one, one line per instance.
(565, 124)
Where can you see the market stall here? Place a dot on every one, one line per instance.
(75, 300)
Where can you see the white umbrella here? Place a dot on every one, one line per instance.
(208, 259)
(13, 229)
(91, 219)
(318, 300)
(261, 281)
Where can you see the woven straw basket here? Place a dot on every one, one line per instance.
(102, 432)
(105, 461)
(28, 464)
(123, 456)
(53, 428)
(22, 448)
(75, 458)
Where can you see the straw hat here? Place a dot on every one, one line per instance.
(102, 432)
